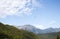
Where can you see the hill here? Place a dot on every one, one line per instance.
(11, 32)
(53, 35)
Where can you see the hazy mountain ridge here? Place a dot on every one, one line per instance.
(31, 28)
(50, 30)
(50, 33)
(11, 32)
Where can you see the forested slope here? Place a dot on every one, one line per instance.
(11, 32)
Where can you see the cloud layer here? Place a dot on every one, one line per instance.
(17, 7)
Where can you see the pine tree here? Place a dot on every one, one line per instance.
(58, 37)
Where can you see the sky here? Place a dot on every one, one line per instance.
(39, 13)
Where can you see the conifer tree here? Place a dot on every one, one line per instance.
(58, 37)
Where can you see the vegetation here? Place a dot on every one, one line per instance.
(58, 37)
(54, 35)
(11, 32)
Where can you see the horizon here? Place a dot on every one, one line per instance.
(30, 25)
(42, 14)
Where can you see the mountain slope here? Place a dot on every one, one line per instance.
(35, 30)
(50, 35)
(10, 32)
(50, 30)
(30, 28)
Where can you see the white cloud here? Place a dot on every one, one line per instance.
(36, 3)
(17, 7)
(52, 22)
(40, 26)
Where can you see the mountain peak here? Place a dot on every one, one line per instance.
(28, 27)
(33, 29)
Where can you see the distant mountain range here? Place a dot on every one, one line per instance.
(11, 32)
(33, 29)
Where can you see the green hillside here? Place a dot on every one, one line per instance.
(10, 32)
(54, 35)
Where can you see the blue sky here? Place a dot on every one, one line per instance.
(40, 13)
